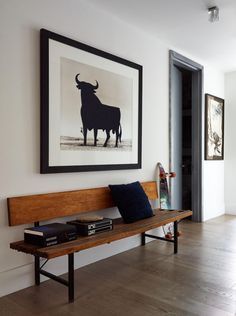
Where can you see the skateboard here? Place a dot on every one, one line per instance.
(164, 196)
(163, 190)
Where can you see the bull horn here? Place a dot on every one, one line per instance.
(76, 79)
(95, 87)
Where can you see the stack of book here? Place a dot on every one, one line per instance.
(51, 234)
(88, 228)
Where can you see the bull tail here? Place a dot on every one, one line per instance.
(120, 133)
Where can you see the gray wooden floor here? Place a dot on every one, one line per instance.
(147, 281)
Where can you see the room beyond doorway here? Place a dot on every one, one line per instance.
(185, 137)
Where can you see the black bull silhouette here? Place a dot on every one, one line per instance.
(96, 115)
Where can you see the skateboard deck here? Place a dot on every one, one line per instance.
(164, 198)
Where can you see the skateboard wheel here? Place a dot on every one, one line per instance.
(162, 175)
(168, 236)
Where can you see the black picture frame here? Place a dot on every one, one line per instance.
(54, 68)
(214, 127)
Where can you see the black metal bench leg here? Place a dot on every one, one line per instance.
(37, 270)
(175, 237)
(143, 239)
(71, 277)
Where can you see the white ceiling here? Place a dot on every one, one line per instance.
(183, 24)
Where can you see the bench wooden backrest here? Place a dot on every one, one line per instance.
(41, 207)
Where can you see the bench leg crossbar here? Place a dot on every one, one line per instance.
(175, 240)
(69, 283)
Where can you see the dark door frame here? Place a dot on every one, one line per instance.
(180, 61)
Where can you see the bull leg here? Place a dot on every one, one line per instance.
(117, 137)
(85, 135)
(108, 137)
(95, 136)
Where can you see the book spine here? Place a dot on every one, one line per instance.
(39, 234)
(100, 230)
(49, 241)
(101, 224)
(51, 238)
(49, 234)
(32, 232)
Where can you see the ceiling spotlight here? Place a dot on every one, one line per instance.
(213, 14)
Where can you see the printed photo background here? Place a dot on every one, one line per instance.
(114, 90)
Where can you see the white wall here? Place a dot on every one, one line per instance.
(213, 171)
(20, 22)
(230, 148)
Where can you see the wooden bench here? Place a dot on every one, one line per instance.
(43, 207)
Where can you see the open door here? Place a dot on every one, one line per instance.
(185, 137)
(176, 135)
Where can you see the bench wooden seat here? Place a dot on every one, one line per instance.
(121, 230)
(35, 208)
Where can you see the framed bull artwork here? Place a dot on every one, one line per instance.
(91, 108)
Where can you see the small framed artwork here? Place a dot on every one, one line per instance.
(214, 128)
(91, 108)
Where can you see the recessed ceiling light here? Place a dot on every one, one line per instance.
(213, 14)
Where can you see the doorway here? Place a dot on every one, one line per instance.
(185, 137)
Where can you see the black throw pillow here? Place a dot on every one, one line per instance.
(131, 201)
